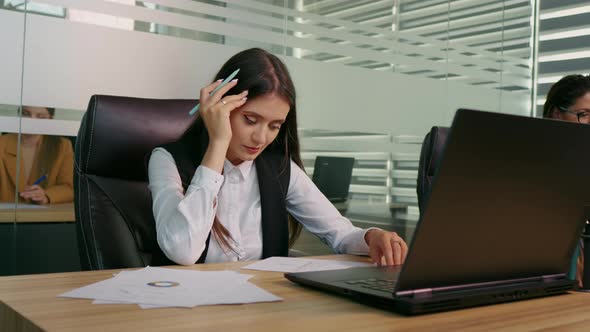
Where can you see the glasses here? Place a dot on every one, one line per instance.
(583, 116)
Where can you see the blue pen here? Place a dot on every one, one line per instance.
(39, 180)
(229, 78)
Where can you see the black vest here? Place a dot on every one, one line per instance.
(274, 172)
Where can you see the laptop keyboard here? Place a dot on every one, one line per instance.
(385, 285)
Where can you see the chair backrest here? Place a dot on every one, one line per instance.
(114, 220)
(430, 154)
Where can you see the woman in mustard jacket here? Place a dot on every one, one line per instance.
(50, 158)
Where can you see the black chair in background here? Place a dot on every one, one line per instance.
(430, 154)
(114, 221)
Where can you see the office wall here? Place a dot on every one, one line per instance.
(388, 67)
(372, 76)
(117, 47)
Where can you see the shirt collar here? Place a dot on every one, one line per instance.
(243, 168)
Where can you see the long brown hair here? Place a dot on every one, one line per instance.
(262, 73)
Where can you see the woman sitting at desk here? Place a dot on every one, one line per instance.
(46, 169)
(569, 100)
(227, 189)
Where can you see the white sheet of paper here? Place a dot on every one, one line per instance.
(234, 294)
(110, 302)
(298, 264)
(177, 287)
(162, 287)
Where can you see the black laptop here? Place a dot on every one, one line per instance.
(502, 222)
(332, 177)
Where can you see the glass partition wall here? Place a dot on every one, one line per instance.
(372, 77)
(11, 59)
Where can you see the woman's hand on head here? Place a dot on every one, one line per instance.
(386, 248)
(36, 194)
(216, 108)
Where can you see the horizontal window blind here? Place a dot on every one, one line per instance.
(395, 68)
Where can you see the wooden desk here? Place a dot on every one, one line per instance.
(51, 213)
(29, 303)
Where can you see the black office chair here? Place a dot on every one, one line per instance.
(115, 224)
(430, 154)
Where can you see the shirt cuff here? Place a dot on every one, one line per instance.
(358, 245)
(207, 179)
(363, 246)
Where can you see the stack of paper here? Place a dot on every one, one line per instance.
(297, 264)
(154, 287)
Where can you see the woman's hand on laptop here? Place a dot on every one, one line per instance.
(386, 248)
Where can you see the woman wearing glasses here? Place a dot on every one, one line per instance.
(569, 100)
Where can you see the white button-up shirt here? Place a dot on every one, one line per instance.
(184, 220)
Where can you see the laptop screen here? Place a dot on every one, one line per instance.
(506, 187)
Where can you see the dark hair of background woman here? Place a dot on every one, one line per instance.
(565, 92)
(262, 73)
